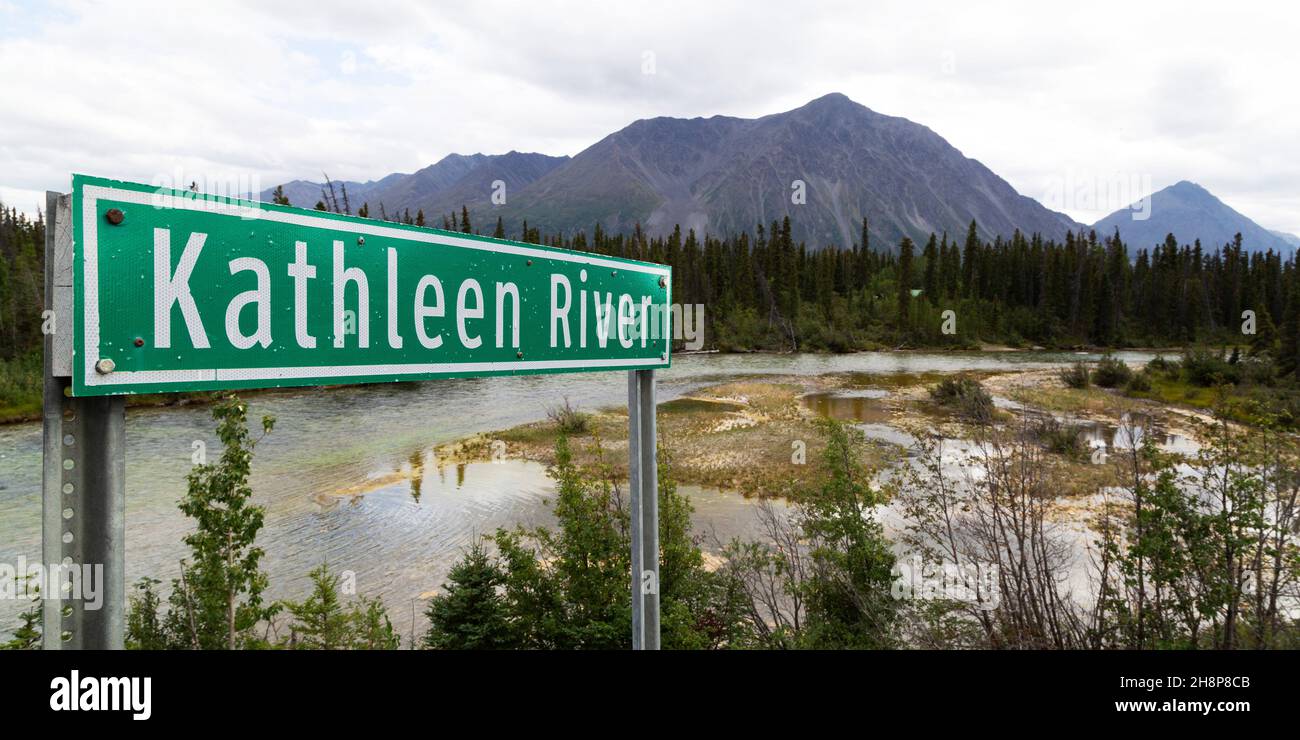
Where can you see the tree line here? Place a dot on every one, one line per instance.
(22, 281)
(764, 291)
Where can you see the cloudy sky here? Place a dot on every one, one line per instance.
(1084, 106)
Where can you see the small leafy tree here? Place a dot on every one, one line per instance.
(145, 629)
(371, 627)
(217, 601)
(848, 595)
(1206, 557)
(589, 557)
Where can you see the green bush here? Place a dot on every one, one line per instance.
(966, 396)
(1205, 367)
(1159, 364)
(1138, 383)
(1257, 371)
(1062, 439)
(1111, 372)
(568, 418)
(1076, 376)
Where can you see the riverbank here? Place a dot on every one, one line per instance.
(761, 437)
(21, 387)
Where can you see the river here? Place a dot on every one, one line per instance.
(348, 478)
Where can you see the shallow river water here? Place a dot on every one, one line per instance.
(348, 478)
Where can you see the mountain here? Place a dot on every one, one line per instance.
(516, 170)
(439, 189)
(1190, 212)
(1290, 240)
(304, 193)
(725, 175)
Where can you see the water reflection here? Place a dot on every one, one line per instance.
(1130, 434)
(856, 405)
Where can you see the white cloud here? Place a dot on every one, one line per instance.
(1105, 91)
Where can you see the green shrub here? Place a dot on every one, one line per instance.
(1159, 364)
(966, 396)
(1205, 367)
(1138, 383)
(1076, 376)
(1111, 372)
(1256, 371)
(1062, 439)
(568, 418)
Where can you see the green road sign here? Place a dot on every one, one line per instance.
(177, 291)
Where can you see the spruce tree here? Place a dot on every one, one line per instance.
(904, 286)
(470, 614)
(320, 621)
(1289, 352)
(931, 281)
(970, 259)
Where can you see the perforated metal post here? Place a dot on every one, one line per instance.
(83, 491)
(643, 482)
(634, 492)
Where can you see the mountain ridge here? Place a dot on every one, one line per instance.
(724, 175)
(1190, 212)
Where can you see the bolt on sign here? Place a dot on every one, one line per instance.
(178, 291)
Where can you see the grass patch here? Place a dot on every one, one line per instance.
(886, 381)
(751, 437)
(21, 388)
(1173, 390)
(698, 406)
(1066, 400)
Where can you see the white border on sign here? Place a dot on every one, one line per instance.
(91, 194)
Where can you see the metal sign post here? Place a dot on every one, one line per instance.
(83, 491)
(643, 481)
